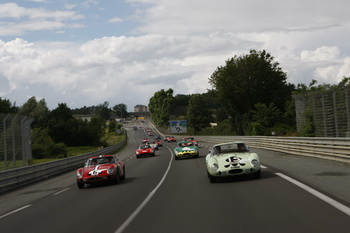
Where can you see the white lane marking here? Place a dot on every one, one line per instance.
(316, 193)
(262, 166)
(60, 192)
(148, 198)
(14, 211)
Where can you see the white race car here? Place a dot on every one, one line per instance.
(231, 159)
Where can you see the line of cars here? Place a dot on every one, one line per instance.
(223, 160)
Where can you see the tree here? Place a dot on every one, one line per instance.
(198, 114)
(159, 107)
(103, 110)
(247, 80)
(121, 110)
(264, 118)
(7, 107)
(37, 110)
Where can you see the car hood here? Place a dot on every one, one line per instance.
(97, 168)
(230, 157)
(186, 148)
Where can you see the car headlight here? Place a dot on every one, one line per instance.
(214, 167)
(79, 174)
(255, 162)
(110, 170)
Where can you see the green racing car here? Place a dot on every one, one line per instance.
(186, 149)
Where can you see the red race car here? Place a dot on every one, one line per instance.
(99, 169)
(171, 139)
(159, 143)
(191, 139)
(146, 140)
(145, 150)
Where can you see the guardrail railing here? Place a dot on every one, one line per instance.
(328, 148)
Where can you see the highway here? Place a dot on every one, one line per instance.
(160, 194)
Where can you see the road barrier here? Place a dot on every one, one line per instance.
(337, 149)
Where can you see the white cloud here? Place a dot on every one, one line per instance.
(177, 44)
(115, 20)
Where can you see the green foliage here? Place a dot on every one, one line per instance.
(121, 110)
(248, 80)
(7, 107)
(198, 114)
(159, 107)
(308, 130)
(264, 118)
(37, 110)
(44, 147)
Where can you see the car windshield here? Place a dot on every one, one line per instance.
(183, 144)
(101, 160)
(230, 148)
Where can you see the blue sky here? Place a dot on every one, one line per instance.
(122, 51)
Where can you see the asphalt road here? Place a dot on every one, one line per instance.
(160, 194)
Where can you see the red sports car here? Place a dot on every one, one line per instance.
(146, 140)
(159, 143)
(145, 150)
(171, 139)
(101, 168)
(191, 139)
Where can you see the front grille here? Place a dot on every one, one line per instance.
(235, 171)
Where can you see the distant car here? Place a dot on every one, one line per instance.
(159, 142)
(166, 138)
(232, 159)
(157, 137)
(153, 144)
(186, 149)
(171, 139)
(145, 150)
(101, 168)
(191, 139)
(150, 134)
(145, 140)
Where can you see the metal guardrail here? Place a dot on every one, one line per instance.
(15, 178)
(337, 149)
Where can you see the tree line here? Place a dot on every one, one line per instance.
(53, 131)
(250, 95)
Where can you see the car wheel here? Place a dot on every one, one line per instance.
(123, 176)
(176, 158)
(80, 185)
(257, 174)
(117, 178)
(212, 179)
(137, 156)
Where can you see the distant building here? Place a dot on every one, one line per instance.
(140, 112)
(140, 108)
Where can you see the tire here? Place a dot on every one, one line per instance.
(257, 175)
(81, 185)
(212, 179)
(123, 176)
(137, 156)
(117, 178)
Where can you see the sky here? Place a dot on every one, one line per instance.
(86, 52)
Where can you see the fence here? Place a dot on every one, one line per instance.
(328, 111)
(15, 132)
